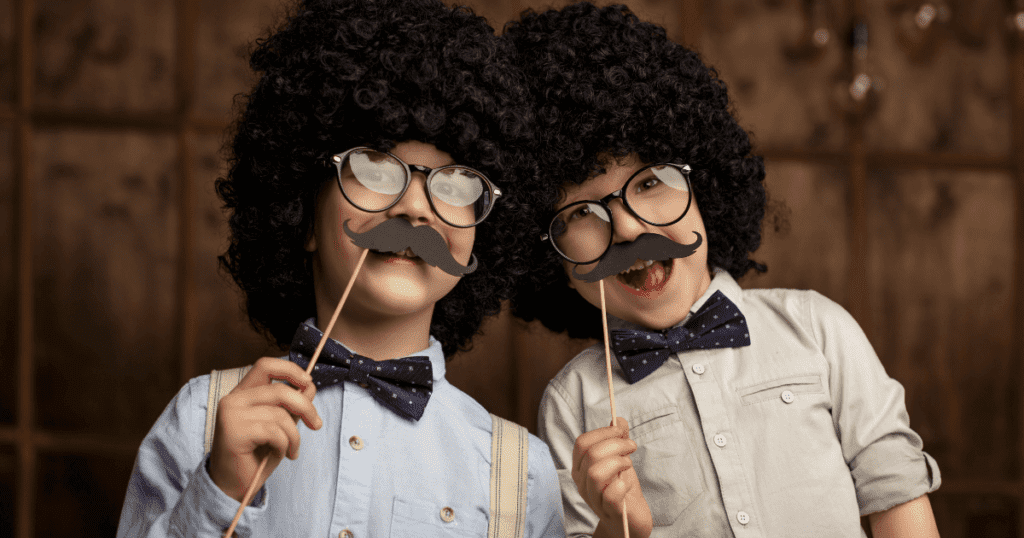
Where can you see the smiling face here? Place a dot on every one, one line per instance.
(388, 285)
(655, 295)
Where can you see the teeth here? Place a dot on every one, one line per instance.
(640, 264)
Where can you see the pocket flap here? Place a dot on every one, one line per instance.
(800, 384)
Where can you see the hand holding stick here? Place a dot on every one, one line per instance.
(611, 391)
(253, 486)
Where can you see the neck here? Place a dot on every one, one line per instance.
(371, 334)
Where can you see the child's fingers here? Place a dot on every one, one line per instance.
(607, 449)
(275, 395)
(587, 440)
(613, 496)
(603, 473)
(268, 369)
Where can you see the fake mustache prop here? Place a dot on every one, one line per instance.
(620, 256)
(396, 235)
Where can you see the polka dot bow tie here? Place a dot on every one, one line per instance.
(718, 324)
(402, 385)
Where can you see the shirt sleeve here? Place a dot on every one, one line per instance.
(885, 456)
(543, 502)
(559, 424)
(170, 492)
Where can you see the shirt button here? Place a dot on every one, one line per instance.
(720, 440)
(355, 442)
(364, 385)
(698, 369)
(345, 534)
(787, 396)
(742, 517)
(447, 514)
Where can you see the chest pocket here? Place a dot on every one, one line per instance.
(783, 390)
(666, 463)
(417, 518)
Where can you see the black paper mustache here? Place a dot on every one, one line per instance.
(397, 234)
(621, 256)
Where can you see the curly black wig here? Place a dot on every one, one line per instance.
(608, 85)
(345, 73)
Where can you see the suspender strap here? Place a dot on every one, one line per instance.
(509, 447)
(221, 383)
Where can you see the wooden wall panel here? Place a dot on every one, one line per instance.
(224, 338)
(224, 31)
(976, 515)
(754, 46)
(8, 53)
(105, 224)
(80, 495)
(487, 372)
(105, 55)
(539, 355)
(940, 269)
(8, 490)
(8, 272)
(952, 95)
(811, 250)
(663, 12)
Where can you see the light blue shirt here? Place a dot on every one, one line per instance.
(366, 470)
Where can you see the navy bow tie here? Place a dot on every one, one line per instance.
(402, 385)
(718, 324)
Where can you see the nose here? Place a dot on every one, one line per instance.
(413, 205)
(625, 226)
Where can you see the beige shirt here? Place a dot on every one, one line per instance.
(798, 434)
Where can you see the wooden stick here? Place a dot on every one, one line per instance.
(611, 391)
(249, 493)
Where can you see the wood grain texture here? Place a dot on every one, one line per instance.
(8, 490)
(225, 32)
(809, 250)
(105, 55)
(8, 53)
(940, 267)
(224, 338)
(487, 372)
(8, 272)
(784, 101)
(80, 496)
(105, 224)
(539, 355)
(975, 515)
(953, 96)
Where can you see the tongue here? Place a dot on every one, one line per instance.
(655, 276)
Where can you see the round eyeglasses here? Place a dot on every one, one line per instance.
(658, 194)
(373, 181)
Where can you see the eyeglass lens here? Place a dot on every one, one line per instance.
(373, 181)
(659, 194)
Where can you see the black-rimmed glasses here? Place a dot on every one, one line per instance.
(658, 194)
(373, 181)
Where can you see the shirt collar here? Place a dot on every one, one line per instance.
(721, 280)
(433, 352)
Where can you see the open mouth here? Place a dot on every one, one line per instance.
(646, 276)
(405, 256)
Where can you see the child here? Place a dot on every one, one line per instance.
(750, 412)
(373, 122)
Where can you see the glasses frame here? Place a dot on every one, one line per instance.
(339, 158)
(620, 194)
